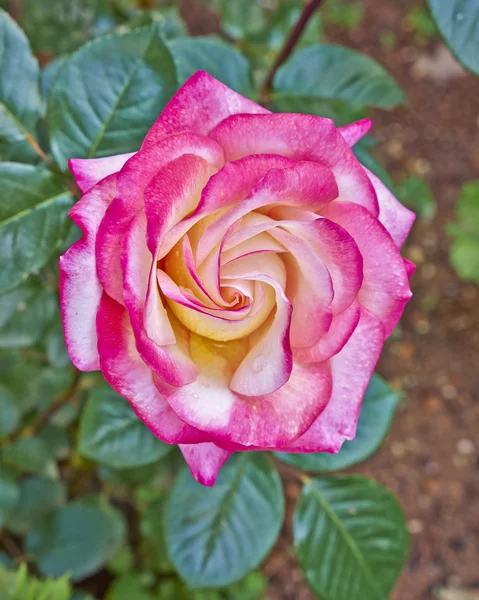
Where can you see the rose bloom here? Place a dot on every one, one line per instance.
(236, 278)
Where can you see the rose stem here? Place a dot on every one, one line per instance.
(289, 46)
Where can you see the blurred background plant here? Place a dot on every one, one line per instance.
(88, 497)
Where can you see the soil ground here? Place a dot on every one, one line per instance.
(430, 459)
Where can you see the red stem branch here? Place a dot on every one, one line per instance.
(289, 46)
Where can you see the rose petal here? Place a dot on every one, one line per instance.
(259, 422)
(341, 329)
(164, 355)
(227, 188)
(172, 193)
(309, 288)
(385, 288)
(204, 461)
(199, 105)
(302, 137)
(87, 172)
(306, 184)
(395, 217)
(410, 267)
(268, 365)
(128, 374)
(80, 290)
(353, 132)
(132, 180)
(339, 253)
(351, 371)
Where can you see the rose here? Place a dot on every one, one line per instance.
(236, 278)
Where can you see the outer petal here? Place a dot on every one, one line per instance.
(302, 137)
(385, 288)
(87, 172)
(395, 217)
(126, 372)
(205, 461)
(199, 105)
(80, 290)
(410, 267)
(168, 359)
(351, 371)
(259, 422)
(353, 132)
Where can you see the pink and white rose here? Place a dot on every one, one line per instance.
(236, 278)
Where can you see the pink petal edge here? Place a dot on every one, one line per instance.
(87, 172)
(204, 461)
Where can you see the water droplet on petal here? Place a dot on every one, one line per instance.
(460, 16)
(195, 396)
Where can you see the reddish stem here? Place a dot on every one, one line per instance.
(289, 46)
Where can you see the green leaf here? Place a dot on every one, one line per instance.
(111, 433)
(50, 73)
(240, 18)
(361, 150)
(215, 535)
(271, 38)
(55, 346)
(464, 258)
(377, 411)
(464, 251)
(417, 195)
(33, 217)
(26, 312)
(458, 22)
(421, 22)
(467, 208)
(56, 440)
(108, 95)
(129, 587)
(345, 15)
(339, 111)
(220, 60)
(9, 412)
(30, 455)
(39, 496)
(78, 538)
(350, 537)
(252, 587)
(20, 103)
(9, 494)
(19, 376)
(60, 26)
(152, 527)
(49, 383)
(5, 560)
(132, 477)
(334, 72)
(170, 23)
(19, 585)
(122, 561)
